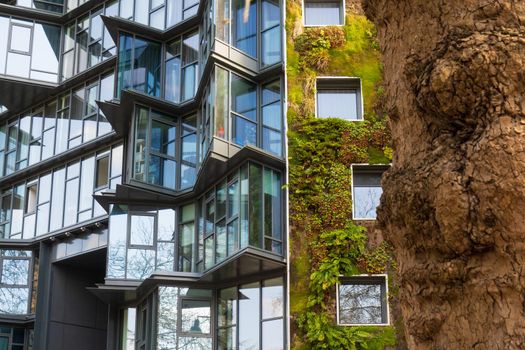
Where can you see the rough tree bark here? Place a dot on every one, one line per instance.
(454, 200)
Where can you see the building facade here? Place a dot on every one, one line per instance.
(144, 175)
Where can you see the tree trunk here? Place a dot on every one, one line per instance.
(453, 204)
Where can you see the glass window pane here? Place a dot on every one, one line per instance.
(163, 138)
(165, 256)
(174, 12)
(86, 184)
(142, 230)
(4, 39)
(118, 223)
(166, 225)
(189, 81)
(337, 104)
(167, 318)
(57, 199)
(102, 172)
(18, 65)
(14, 301)
(271, 13)
(188, 176)
(140, 263)
(272, 335)
(233, 237)
(271, 46)
(272, 298)
(186, 241)
(244, 97)
(244, 26)
(157, 19)
(125, 60)
(46, 48)
(141, 12)
(221, 201)
(361, 303)
(189, 148)
(244, 131)
(318, 13)
(146, 69)
(172, 85)
(139, 159)
(227, 338)
(15, 272)
(233, 199)
(221, 241)
(196, 316)
(221, 104)
(227, 308)
(255, 205)
(249, 316)
(20, 38)
(190, 49)
(272, 141)
(71, 204)
(82, 51)
(162, 172)
(366, 200)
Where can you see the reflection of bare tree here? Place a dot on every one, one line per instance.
(117, 259)
(140, 264)
(360, 304)
(14, 300)
(169, 337)
(366, 201)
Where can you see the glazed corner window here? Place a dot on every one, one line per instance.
(366, 190)
(182, 57)
(362, 300)
(339, 97)
(323, 12)
(139, 65)
(165, 149)
(245, 29)
(31, 197)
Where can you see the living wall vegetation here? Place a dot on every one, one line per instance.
(324, 242)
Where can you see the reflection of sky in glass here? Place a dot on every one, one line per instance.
(360, 304)
(366, 200)
(322, 13)
(272, 303)
(249, 316)
(272, 335)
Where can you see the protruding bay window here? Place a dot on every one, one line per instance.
(165, 149)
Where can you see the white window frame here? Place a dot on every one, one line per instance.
(360, 108)
(371, 276)
(363, 165)
(341, 14)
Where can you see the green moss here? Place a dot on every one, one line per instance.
(324, 242)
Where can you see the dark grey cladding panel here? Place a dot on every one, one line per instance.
(245, 265)
(18, 93)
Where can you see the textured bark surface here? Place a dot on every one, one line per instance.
(454, 201)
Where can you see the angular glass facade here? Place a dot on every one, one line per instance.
(243, 210)
(29, 49)
(149, 219)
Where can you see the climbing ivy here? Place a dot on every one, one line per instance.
(325, 243)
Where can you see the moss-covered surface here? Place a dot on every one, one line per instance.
(324, 242)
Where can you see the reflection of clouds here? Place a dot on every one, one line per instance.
(360, 304)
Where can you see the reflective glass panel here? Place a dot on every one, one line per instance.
(142, 230)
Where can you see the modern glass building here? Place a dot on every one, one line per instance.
(142, 173)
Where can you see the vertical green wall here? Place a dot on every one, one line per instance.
(324, 241)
